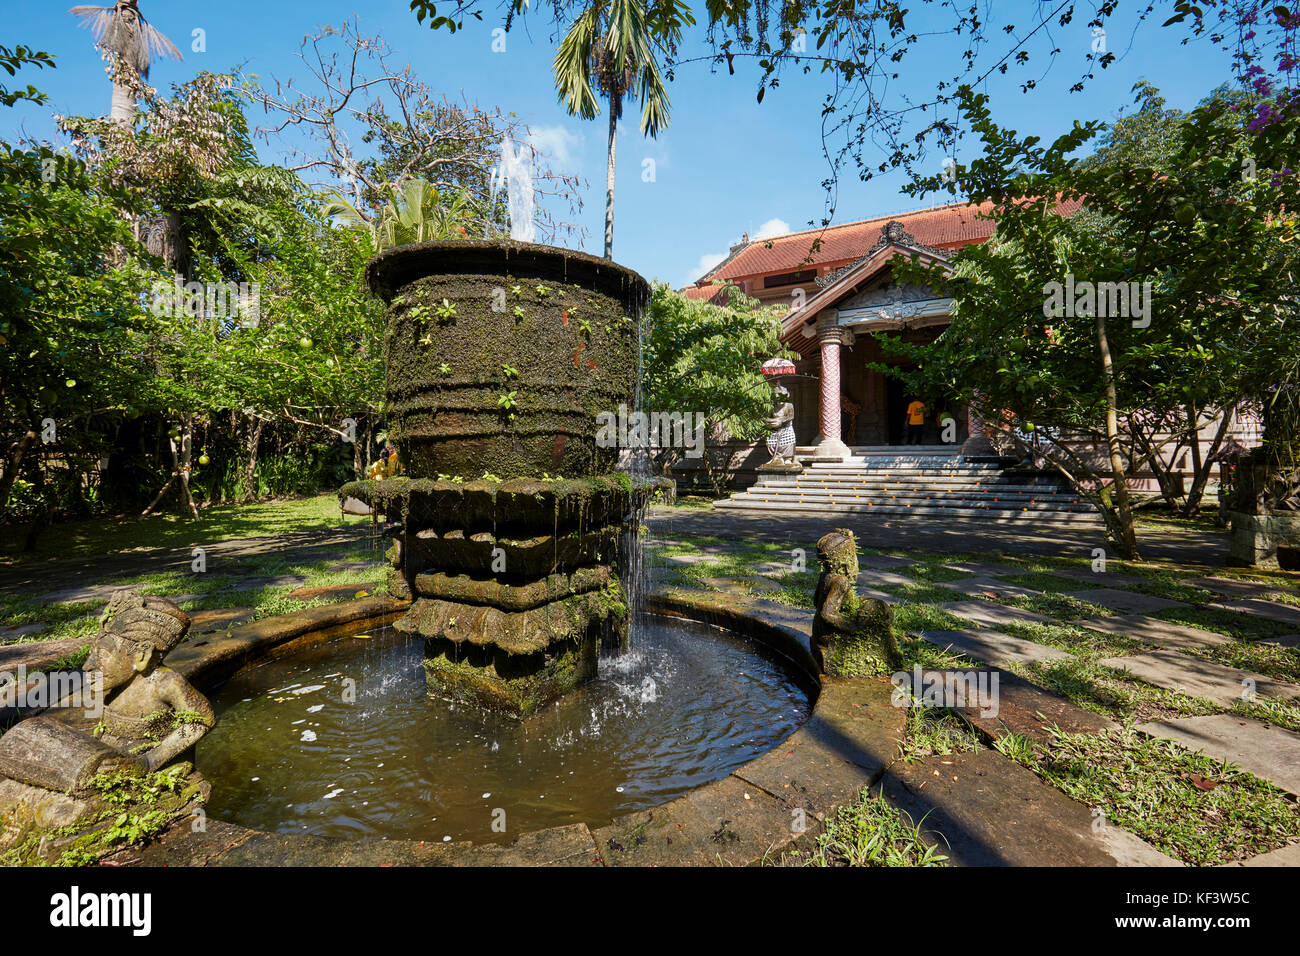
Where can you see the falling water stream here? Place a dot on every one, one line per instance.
(343, 739)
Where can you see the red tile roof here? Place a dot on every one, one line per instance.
(944, 227)
(709, 293)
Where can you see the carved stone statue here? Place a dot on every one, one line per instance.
(852, 636)
(780, 443)
(150, 715)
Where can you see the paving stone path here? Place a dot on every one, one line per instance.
(1201, 678)
(1268, 752)
(1134, 602)
(993, 646)
(966, 799)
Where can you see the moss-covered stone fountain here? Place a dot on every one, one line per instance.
(508, 518)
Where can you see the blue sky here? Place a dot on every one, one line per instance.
(726, 165)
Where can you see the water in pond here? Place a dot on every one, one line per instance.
(686, 706)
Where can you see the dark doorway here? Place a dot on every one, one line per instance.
(895, 410)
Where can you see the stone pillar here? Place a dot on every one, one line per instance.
(831, 338)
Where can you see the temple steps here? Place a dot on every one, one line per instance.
(943, 486)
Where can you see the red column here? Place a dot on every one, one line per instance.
(831, 338)
(830, 405)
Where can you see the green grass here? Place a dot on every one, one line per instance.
(1239, 624)
(1271, 660)
(112, 535)
(1075, 639)
(81, 620)
(1107, 691)
(797, 589)
(1171, 590)
(1060, 606)
(686, 503)
(912, 617)
(932, 573)
(63, 621)
(923, 593)
(1046, 581)
(869, 832)
(934, 731)
(1148, 787)
(1279, 713)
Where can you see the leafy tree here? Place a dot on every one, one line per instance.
(11, 61)
(1211, 235)
(705, 358)
(73, 323)
(415, 213)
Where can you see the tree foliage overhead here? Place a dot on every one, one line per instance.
(1201, 219)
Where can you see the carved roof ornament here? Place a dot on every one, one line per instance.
(892, 233)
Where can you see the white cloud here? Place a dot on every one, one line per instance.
(558, 142)
(773, 227)
(707, 262)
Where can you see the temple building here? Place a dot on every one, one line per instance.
(839, 286)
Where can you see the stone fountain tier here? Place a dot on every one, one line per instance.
(499, 356)
(512, 583)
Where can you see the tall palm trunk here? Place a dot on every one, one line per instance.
(615, 104)
(123, 109)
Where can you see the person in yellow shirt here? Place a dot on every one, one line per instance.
(915, 421)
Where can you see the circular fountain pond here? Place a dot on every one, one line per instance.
(343, 740)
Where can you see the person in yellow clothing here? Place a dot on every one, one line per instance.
(915, 421)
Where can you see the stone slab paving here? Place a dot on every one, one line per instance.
(1155, 631)
(985, 568)
(1133, 602)
(332, 592)
(1283, 640)
(729, 822)
(183, 598)
(1286, 856)
(986, 612)
(219, 619)
(1286, 613)
(1235, 588)
(868, 579)
(1028, 710)
(346, 566)
(1105, 579)
(34, 654)
(993, 647)
(851, 737)
(883, 562)
(984, 585)
(1266, 751)
(77, 595)
(1200, 678)
(271, 581)
(981, 809)
(16, 631)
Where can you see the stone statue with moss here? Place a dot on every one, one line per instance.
(852, 636)
(128, 717)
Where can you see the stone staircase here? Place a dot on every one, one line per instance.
(918, 481)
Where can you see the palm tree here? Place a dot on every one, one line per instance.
(122, 32)
(614, 44)
(415, 213)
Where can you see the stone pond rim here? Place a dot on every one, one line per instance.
(390, 270)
